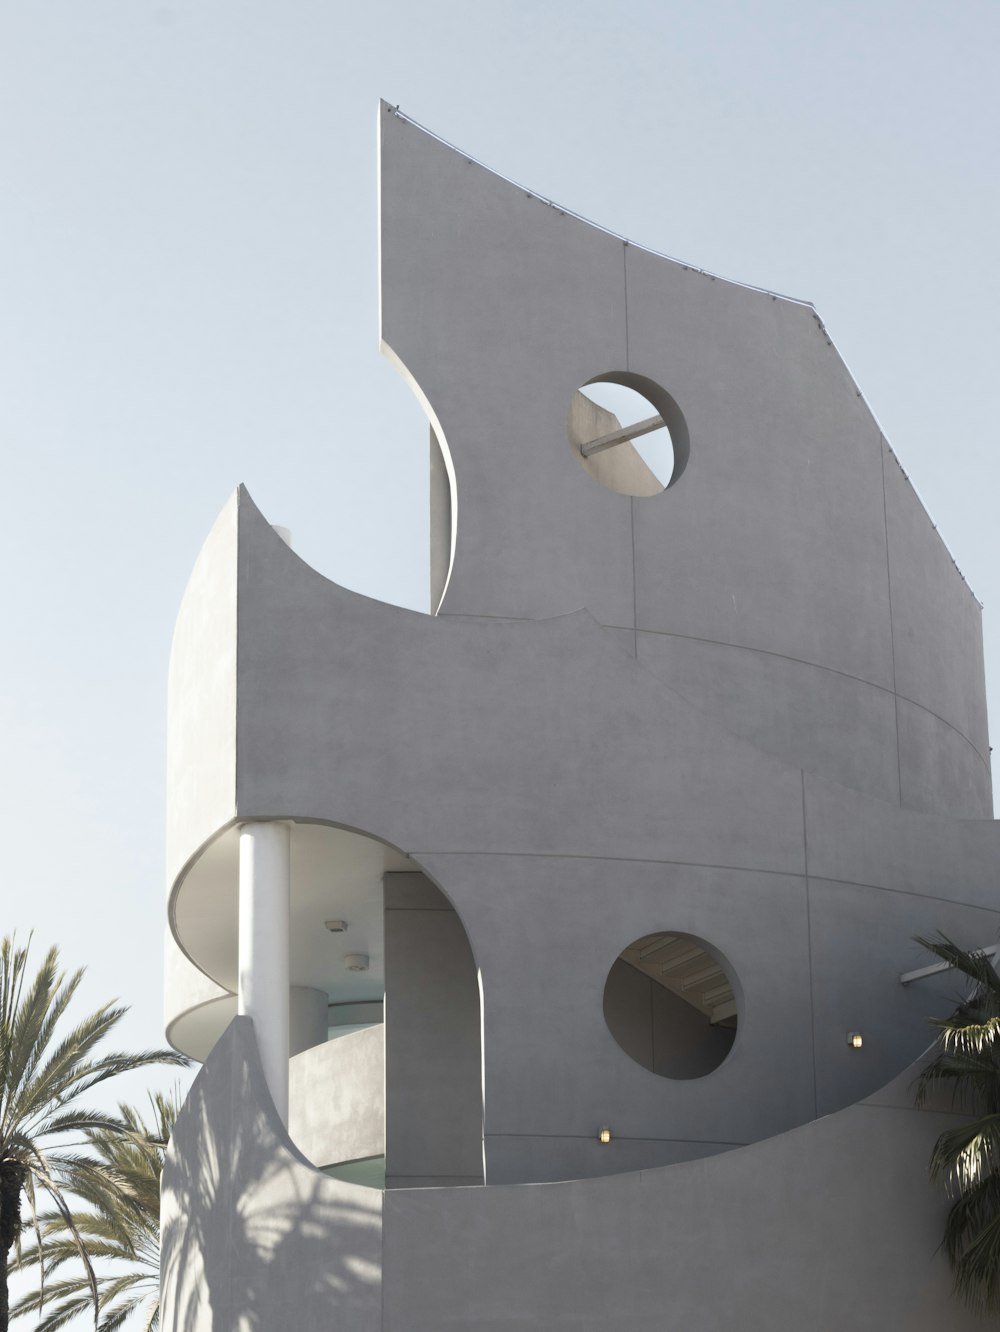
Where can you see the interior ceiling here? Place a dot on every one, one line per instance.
(197, 1030)
(681, 965)
(336, 875)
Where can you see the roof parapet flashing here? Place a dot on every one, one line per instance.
(597, 226)
(694, 268)
(906, 476)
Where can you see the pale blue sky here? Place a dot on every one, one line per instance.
(188, 300)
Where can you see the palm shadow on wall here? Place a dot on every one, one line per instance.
(254, 1238)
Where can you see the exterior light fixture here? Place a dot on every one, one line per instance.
(855, 1040)
(356, 961)
(336, 926)
(604, 1135)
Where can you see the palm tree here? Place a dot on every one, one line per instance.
(45, 1071)
(119, 1225)
(967, 1158)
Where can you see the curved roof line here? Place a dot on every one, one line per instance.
(569, 212)
(695, 268)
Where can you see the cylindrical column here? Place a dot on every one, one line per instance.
(262, 994)
(308, 1018)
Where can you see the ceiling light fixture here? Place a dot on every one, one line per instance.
(336, 926)
(356, 961)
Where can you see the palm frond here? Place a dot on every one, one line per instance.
(117, 1218)
(967, 1155)
(966, 1158)
(972, 963)
(99, 1171)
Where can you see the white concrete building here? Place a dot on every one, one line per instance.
(632, 834)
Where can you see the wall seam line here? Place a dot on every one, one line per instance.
(236, 667)
(610, 860)
(817, 666)
(735, 869)
(635, 596)
(625, 278)
(910, 1110)
(384, 1218)
(892, 634)
(652, 1024)
(767, 652)
(631, 503)
(763, 652)
(619, 1137)
(809, 954)
(690, 638)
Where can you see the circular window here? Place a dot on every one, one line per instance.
(670, 1003)
(628, 433)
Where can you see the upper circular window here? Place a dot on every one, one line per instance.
(670, 1003)
(628, 433)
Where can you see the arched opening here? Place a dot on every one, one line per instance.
(433, 1040)
(385, 1078)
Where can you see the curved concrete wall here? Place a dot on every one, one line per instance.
(568, 802)
(791, 533)
(433, 1046)
(250, 1234)
(830, 1227)
(196, 1010)
(336, 1098)
(201, 699)
(749, 710)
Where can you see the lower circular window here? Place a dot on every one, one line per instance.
(670, 1003)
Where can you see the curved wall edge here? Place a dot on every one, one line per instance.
(291, 1238)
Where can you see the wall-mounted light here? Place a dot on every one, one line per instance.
(356, 961)
(855, 1040)
(336, 926)
(604, 1135)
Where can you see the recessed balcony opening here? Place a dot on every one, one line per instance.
(368, 1171)
(345, 1017)
(336, 881)
(385, 1071)
(671, 1005)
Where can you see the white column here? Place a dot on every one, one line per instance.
(262, 994)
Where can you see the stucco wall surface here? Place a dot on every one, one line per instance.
(201, 697)
(336, 1098)
(432, 732)
(748, 709)
(791, 533)
(251, 1235)
(568, 802)
(196, 1009)
(830, 1227)
(433, 1049)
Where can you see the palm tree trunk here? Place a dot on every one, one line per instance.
(4, 1297)
(11, 1183)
